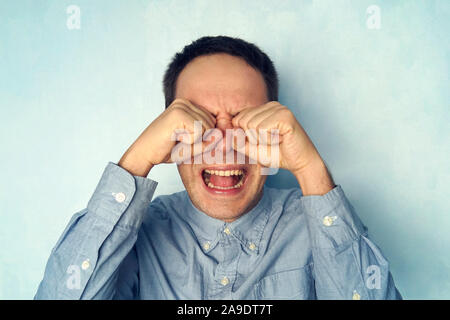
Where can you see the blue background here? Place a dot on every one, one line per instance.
(375, 103)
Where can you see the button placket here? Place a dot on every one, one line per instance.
(225, 273)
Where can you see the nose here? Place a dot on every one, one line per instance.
(223, 123)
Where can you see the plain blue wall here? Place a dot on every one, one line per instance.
(375, 102)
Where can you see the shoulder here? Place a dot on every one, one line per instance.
(164, 206)
(285, 207)
(284, 198)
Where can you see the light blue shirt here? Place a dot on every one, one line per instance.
(289, 246)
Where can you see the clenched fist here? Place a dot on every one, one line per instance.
(155, 144)
(296, 151)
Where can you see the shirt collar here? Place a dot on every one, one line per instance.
(248, 228)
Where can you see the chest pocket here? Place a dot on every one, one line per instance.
(296, 284)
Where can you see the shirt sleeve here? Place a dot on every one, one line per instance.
(347, 264)
(85, 262)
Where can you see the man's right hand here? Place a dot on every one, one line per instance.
(155, 144)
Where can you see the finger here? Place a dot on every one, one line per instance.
(204, 116)
(277, 127)
(254, 122)
(193, 153)
(190, 126)
(265, 155)
(198, 115)
(242, 118)
(206, 123)
(250, 111)
(202, 111)
(263, 124)
(237, 120)
(181, 153)
(252, 136)
(194, 110)
(247, 149)
(211, 138)
(251, 123)
(187, 153)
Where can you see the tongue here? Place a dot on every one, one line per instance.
(223, 181)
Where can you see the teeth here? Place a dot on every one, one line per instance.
(225, 172)
(236, 186)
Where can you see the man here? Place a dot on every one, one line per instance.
(227, 236)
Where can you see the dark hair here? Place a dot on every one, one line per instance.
(254, 56)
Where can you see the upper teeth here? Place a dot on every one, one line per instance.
(225, 172)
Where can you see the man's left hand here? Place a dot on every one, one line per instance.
(297, 153)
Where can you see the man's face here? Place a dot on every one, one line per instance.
(223, 85)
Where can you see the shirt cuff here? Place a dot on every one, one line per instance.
(331, 219)
(121, 197)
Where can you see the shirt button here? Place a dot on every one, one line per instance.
(356, 296)
(206, 246)
(328, 221)
(227, 231)
(224, 281)
(120, 197)
(252, 246)
(85, 265)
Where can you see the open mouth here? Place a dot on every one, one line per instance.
(224, 180)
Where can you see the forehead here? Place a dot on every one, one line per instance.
(221, 83)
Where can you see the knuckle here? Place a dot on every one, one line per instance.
(285, 111)
(274, 103)
(179, 101)
(252, 124)
(181, 115)
(177, 105)
(177, 111)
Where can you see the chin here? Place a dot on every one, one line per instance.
(222, 210)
